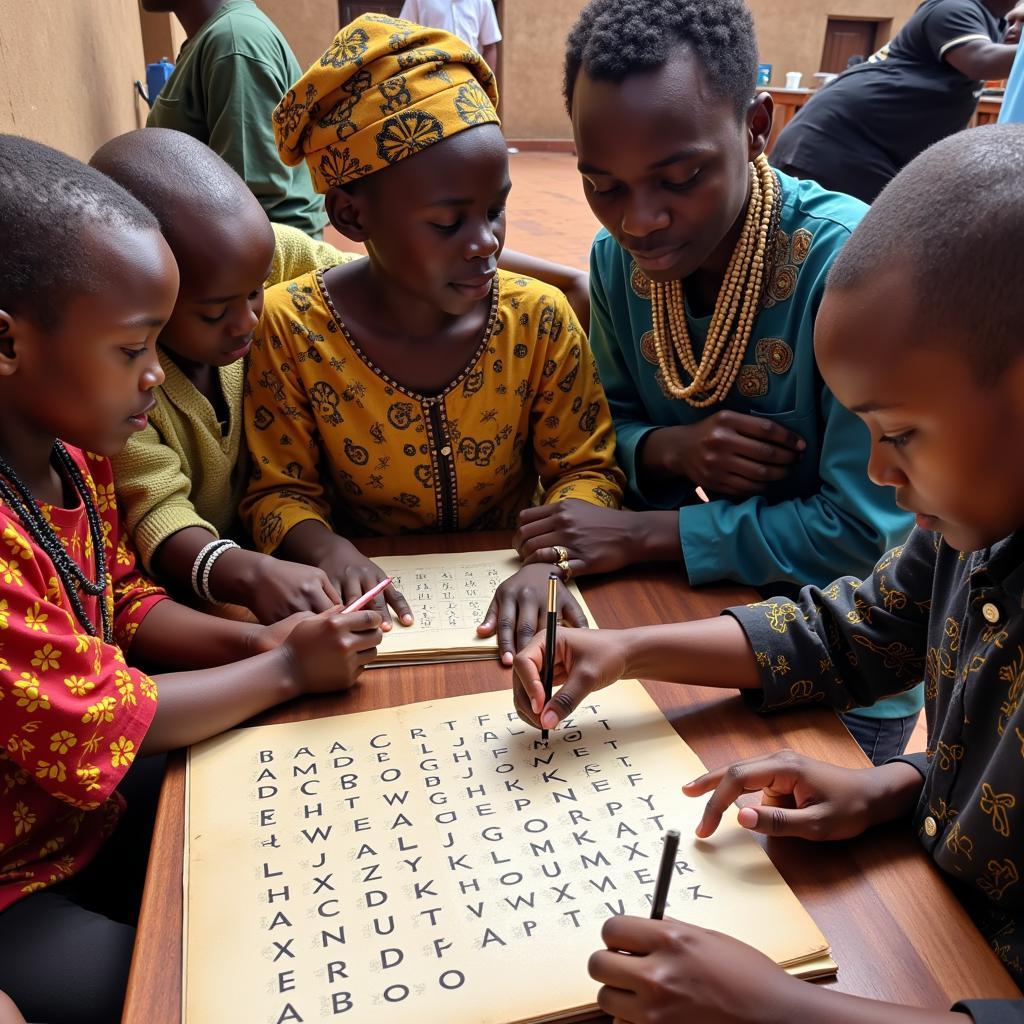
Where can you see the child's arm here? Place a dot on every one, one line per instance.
(154, 491)
(846, 645)
(351, 571)
(655, 971)
(97, 708)
(573, 446)
(573, 283)
(676, 971)
(285, 486)
(156, 495)
(708, 652)
(323, 653)
(807, 799)
(157, 640)
(572, 435)
(152, 627)
(270, 588)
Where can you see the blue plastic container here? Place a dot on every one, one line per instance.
(156, 78)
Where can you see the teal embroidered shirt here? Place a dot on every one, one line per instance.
(826, 518)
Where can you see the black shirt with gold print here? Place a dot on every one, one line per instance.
(956, 619)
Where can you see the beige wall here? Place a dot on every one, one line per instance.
(791, 33)
(162, 36)
(67, 71)
(532, 56)
(531, 62)
(308, 25)
(103, 46)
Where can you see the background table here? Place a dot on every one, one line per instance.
(896, 930)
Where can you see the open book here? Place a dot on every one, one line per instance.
(449, 596)
(438, 862)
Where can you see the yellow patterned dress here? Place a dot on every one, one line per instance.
(334, 439)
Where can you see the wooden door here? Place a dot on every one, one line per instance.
(349, 9)
(845, 39)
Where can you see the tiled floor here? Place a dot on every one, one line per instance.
(547, 214)
(548, 217)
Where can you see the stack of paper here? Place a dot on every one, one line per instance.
(449, 596)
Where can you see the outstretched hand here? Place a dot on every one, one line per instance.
(806, 798)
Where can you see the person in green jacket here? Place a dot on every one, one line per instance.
(231, 73)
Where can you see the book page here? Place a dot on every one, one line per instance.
(438, 862)
(449, 596)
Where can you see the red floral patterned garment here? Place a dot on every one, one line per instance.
(72, 713)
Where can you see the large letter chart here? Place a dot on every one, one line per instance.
(438, 862)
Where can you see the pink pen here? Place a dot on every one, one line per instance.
(362, 602)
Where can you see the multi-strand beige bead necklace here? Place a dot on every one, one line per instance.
(736, 308)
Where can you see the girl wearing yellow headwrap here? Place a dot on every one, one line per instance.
(421, 389)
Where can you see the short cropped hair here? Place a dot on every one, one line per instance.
(615, 38)
(47, 200)
(954, 218)
(165, 169)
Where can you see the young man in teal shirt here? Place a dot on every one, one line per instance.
(231, 73)
(669, 134)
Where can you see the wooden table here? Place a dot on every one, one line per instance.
(787, 103)
(988, 110)
(896, 931)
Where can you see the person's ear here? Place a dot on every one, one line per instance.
(346, 212)
(9, 327)
(760, 115)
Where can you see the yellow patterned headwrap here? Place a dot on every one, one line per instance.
(385, 90)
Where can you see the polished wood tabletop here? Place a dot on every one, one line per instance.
(896, 930)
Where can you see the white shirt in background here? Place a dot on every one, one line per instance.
(471, 20)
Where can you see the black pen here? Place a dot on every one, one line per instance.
(549, 647)
(668, 863)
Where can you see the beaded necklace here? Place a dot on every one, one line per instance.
(20, 500)
(736, 307)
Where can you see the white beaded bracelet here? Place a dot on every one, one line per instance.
(204, 582)
(198, 564)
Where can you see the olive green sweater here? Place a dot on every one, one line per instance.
(183, 469)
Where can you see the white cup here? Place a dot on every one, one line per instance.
(793, 79)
